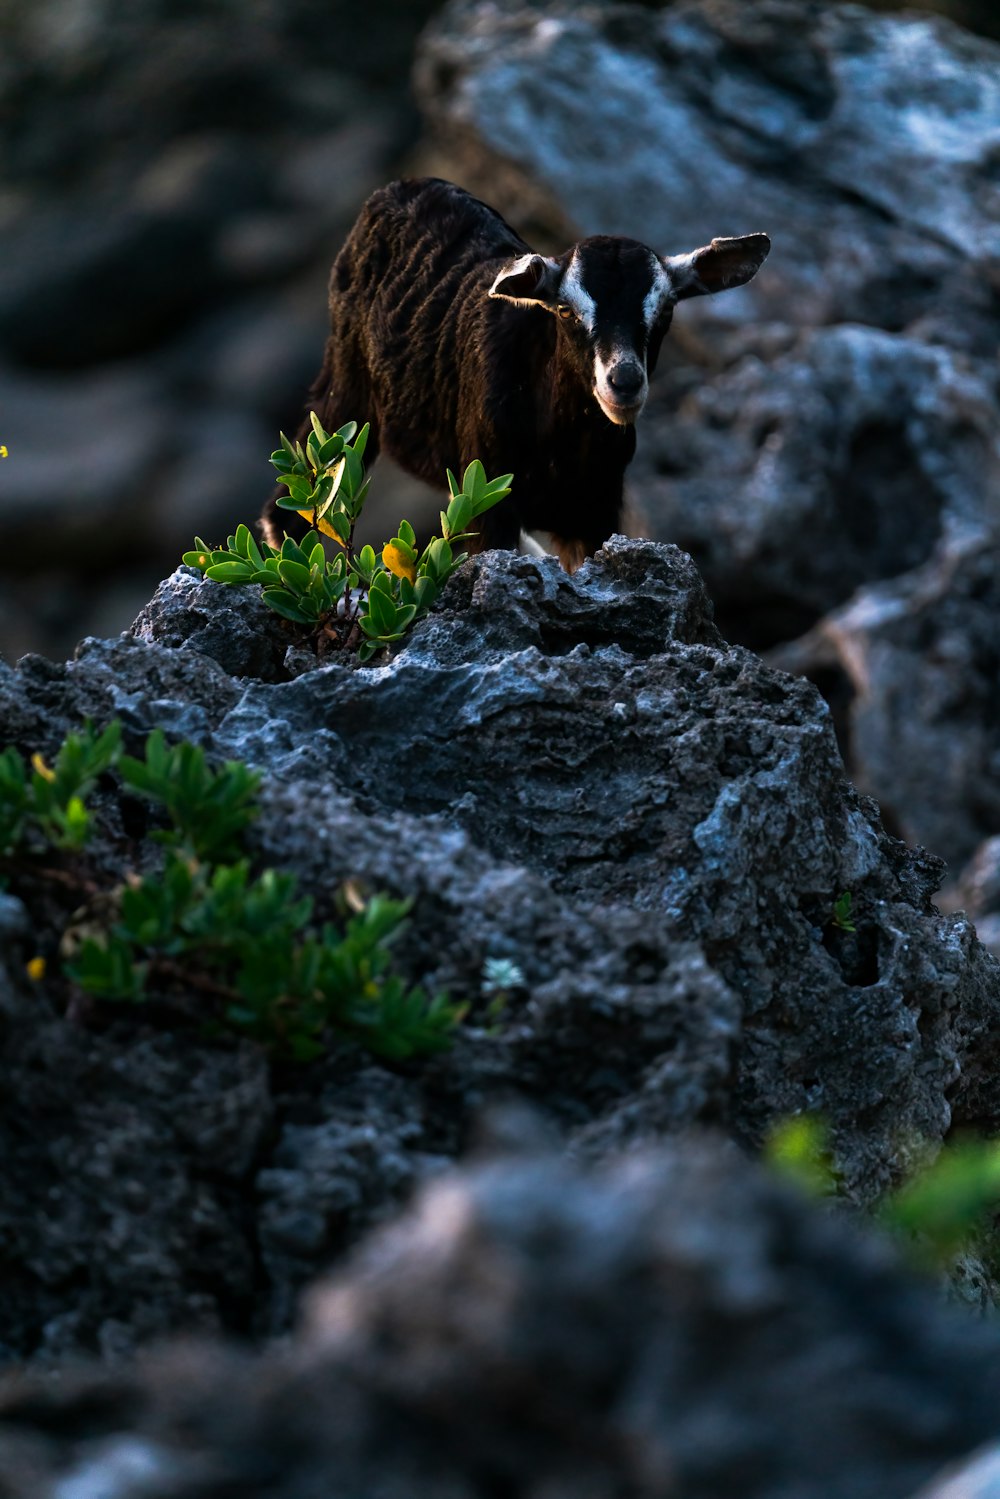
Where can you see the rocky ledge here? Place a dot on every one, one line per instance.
(576, 774)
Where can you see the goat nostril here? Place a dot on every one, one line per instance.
(626, 381)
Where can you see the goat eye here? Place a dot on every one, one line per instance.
(564, 311)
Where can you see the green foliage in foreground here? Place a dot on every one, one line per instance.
(942, 1208)
(362, 599)
(202, 924)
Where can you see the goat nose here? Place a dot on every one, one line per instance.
(626, 379)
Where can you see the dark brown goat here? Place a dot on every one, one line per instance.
(457, 341)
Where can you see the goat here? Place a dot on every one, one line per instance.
(457, 341)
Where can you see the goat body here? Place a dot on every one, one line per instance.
(457, 341)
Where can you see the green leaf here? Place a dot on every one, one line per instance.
(230, 572)
(278, 600)
(200, 557)
(299, 489)
(425, 591)
(474, 481)
(458, 515)
(496, 490)
(371, 628)
(381, 611)
(341, 524)
(295, 574)
(361, 441)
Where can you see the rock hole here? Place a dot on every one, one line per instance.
(856, 954)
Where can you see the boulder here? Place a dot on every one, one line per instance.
(921, 655)
(574, 774)
(669, 1323)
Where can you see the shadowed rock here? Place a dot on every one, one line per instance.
(672, 1324)
(575, 774)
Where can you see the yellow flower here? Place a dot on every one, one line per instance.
(3, 451)
(36, 969)
(45, 771)
(398, 562)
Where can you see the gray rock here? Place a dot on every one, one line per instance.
(921, 655)
(578, 775)
(244, 636)
(75, 448)
(979, 1478)
(814, 121)
(120, 1216)
(978, 890)
(796, 477)
(672, 1323)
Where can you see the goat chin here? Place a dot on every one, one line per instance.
(622, 416)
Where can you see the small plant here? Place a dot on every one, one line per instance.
(841, 917)
(49, 800)
(246, 944)
(499, 977)
(209, 808)
(360, 599)
(202, 924)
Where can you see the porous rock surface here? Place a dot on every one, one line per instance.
(834, 425)
(670, 1324)
(575, 774)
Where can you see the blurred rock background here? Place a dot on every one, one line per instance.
(176, 177)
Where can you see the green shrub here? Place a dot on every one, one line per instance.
(209, 808)
(48, 800)
(363, 600)
(202, 924)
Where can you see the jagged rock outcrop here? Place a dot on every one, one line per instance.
(573, 773)
(671, 1324)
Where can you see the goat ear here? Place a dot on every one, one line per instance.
(718, 266)
(529, 281)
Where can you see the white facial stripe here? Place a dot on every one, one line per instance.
(658, 293)
(574, 294)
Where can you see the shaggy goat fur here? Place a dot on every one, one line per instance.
(457, 341)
